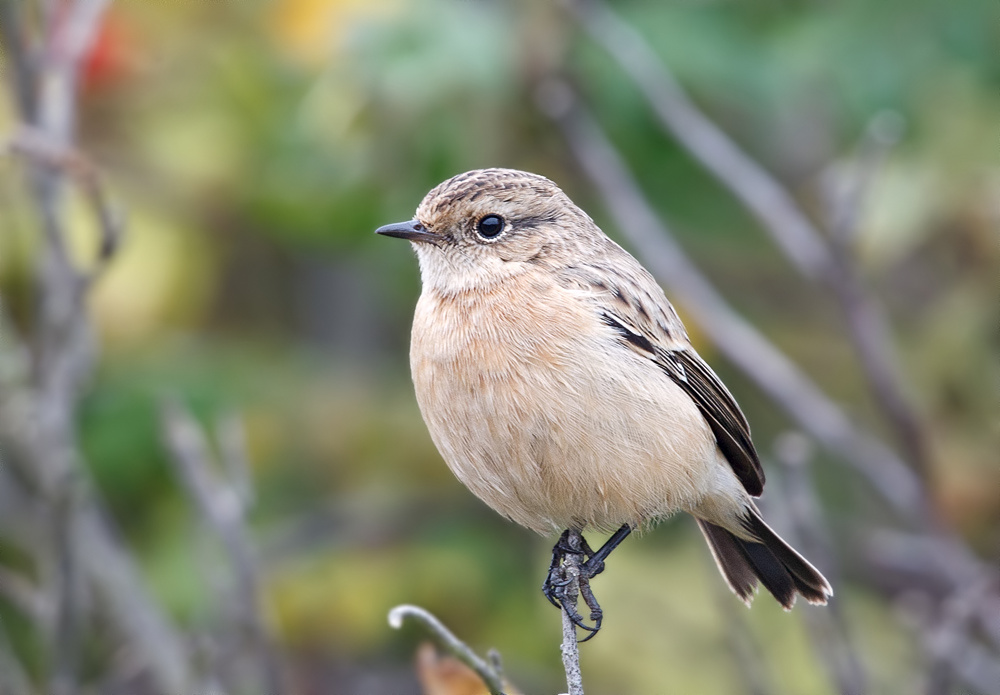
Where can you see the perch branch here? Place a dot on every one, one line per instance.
(570, 647)
(449, 642)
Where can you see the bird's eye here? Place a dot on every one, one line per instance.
(490, 226)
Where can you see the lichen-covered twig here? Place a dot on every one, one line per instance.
(570, 647)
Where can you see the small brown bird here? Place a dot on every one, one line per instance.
(560, 386)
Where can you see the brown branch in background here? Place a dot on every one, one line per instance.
(450, 643)
(770, 203)
(39, 413)
(807, 530)
(844, 196)
(867, 326)
(735, 337)
(774, 207)
(223, 505)
(951, 652)
(900, 561)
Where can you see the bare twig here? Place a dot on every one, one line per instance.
(807, 530)
(756, 189)
(845, 195)
(40, 413)
(449, 642)
(22, 594)
(66, 577)
(223, 506)
(570, 647)
(31, 143)
(775, 208)
(951, 652)
(70, 38)
(867, 326)
(935, 565)
(743, 344)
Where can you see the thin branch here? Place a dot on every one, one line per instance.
(773, 206)
(72, 37)
(33, 144)
(449, 642)
(949, 648)
(735, 337)
(570, 647)
(752, 184)
(43, 429)
(867, 326)
(67, 627)
(138, 620)
(808, 531)
(934, 564)
(845, 194)
(223, 506)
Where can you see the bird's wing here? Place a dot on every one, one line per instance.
(633, 305)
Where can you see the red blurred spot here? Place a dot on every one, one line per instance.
(111, 58)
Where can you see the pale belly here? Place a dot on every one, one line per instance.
(552, 422)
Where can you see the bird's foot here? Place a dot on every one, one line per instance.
(559, 587)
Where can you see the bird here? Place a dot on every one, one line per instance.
(560, 386)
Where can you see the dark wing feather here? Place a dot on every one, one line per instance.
(717, 405)
(730, 427)
(629, 301)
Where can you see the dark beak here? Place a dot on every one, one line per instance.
(412, 231)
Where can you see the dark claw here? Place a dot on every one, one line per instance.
(596, 614)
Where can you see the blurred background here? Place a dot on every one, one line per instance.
(213, 473)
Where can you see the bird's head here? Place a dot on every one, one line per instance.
(484, 226)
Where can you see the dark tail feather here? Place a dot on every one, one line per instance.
(771, 561)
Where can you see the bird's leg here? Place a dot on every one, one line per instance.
(593, 567)
(572, 542)
(557, 587)
(595, 563)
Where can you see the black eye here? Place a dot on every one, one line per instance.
(490, 226)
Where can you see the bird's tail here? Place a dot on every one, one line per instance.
(769, 560)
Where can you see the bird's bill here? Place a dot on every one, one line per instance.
(412, 231)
